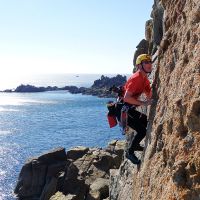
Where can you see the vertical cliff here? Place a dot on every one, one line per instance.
(170, 166)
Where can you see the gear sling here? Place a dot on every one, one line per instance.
(126, 116)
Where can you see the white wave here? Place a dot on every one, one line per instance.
(2, 173)
(8, 101)
(2, 196)
(8, 110)
(30, 101)
(5, 132)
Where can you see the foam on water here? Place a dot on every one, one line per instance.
(5, 132)
(14, 101)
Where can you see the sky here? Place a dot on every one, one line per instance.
(70, 36)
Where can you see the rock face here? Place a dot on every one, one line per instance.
(142, 48)
(121, 181)
(170, 166)
(80, 174)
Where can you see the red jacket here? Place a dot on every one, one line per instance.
(137, 84)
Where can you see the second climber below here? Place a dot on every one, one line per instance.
(136, 85)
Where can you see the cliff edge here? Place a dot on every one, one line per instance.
(170, 169)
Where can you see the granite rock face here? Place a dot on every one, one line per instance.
(171, 161)
(142, 48)
(121, 181)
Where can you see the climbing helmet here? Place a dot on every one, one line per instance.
(142, 58)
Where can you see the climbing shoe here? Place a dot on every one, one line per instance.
(132, 158)
(139, 148)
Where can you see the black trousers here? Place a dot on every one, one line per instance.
(138, 122)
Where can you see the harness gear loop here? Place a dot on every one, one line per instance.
(124, 119)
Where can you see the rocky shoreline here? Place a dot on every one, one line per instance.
(100, 87)
(80, 173)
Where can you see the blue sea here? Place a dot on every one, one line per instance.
(34, 123)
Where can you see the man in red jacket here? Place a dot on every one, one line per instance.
(136, 85)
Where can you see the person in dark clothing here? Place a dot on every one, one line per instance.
(136, 85)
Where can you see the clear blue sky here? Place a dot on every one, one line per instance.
(66, 36)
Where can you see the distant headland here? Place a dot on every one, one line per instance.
(99, 88)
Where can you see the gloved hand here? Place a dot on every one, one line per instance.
(148, 102)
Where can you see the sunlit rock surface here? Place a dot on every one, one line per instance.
(170, 169)
(80, 174)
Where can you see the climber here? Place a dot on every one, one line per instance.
(136, 85)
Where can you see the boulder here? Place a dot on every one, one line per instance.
(104, 162)
(54, 156)
(75, 186)
(61, 196)
(77, 152)
(116, 147)
(99, 189)
(87, 169)
(31, 179)
(71, 174)
(35, 173)
(49, 189)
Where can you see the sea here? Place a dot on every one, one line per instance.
(34, 123)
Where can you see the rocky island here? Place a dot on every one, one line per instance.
(100, 87)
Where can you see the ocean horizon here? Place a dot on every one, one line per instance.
(59, 80)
